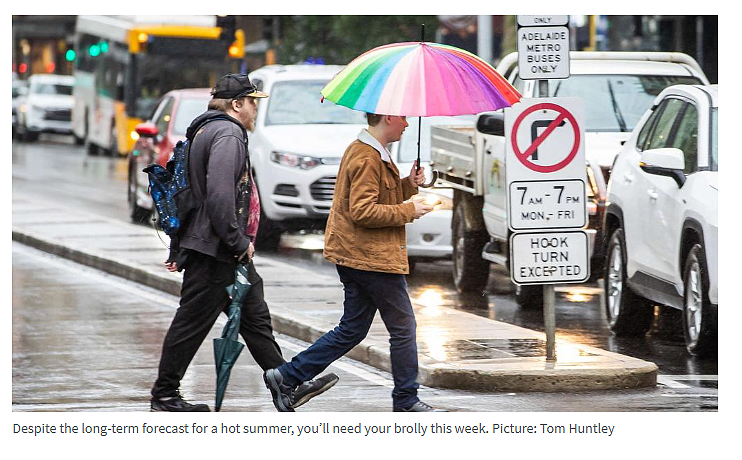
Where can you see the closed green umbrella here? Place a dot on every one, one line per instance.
(228, 348)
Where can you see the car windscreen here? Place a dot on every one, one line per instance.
(188, 109)
(615, 103)
(300, 103)
(48, 88)
(714, 139)
(157, 75)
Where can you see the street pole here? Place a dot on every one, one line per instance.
(484, 37)
(549, 321)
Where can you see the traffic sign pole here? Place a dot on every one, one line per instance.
(543, 54)
(549, 321)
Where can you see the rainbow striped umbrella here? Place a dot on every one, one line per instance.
(420, 79)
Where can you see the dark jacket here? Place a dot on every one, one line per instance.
(217, 163)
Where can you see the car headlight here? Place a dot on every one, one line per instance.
(439, 202)
(295, 161)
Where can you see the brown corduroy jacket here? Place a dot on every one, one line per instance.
(366, 226)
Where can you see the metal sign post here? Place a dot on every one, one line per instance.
(543, 53)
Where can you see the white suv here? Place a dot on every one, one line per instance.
(662, 218)
(296, 147)
(47, 107)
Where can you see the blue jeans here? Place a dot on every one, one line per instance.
(366, 292)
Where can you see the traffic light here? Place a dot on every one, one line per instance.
(94, 50)
(70, 55)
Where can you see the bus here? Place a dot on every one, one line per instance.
(124, 64)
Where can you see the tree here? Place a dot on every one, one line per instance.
(339, 39)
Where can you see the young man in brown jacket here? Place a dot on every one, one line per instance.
(365, 238)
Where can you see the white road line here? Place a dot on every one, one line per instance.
(355, 370)
(692, 377)
(670, 383)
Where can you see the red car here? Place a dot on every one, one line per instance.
(157, 137)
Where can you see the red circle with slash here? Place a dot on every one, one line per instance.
(523, 156)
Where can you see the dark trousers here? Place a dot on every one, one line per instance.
(203, 298)
(366, 292)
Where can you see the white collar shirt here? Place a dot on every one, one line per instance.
(366, 137)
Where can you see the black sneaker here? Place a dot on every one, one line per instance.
(312, 388)
(176, 404)
(281, 393)
(419, 407)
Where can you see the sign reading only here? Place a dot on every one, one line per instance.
(536, 20)
(547, 204)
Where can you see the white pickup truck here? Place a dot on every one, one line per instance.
(616, 87)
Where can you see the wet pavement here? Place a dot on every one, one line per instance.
(455, 352)
(87, 341)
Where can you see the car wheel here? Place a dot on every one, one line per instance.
(137, 213)
(530, 297)
(113, 149)
(700, 336)
(411, 263)
(28, 135)
(269, 234)
(90, 148)
(470, 270)
(628, 313)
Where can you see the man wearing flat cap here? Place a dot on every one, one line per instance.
(219, 235)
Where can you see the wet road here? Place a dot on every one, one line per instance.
(57, 171)
(83, 340)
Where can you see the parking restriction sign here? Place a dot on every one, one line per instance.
(546, 173)
(545, 137)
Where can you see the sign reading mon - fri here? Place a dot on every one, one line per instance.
(543, 47)
(546, 174)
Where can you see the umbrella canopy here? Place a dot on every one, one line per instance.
(420, 79)
(227, 348)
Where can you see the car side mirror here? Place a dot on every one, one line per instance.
(492, 123)
(668, 162)
(147, 130)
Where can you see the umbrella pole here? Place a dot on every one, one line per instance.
(420, 118)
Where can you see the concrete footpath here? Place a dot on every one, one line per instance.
(457, 350)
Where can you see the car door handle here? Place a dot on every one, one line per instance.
(653, 195)
(629, 178)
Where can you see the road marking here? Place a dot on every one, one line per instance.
(352, 369)
(673, 381)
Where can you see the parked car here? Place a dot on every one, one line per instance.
(662, 218)
(157, 137)
(20, 89)
(47, 108)
(296, 148)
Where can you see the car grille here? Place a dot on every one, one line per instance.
(323, 189)
(58, 114)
